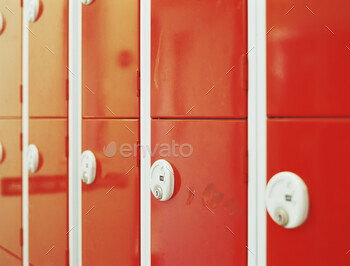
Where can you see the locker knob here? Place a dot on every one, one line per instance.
(1, 152)
(162, 180)
(32, 158)
(87, 167)
(33, 10)
(287, 200)
(1, 22)
(87, 2)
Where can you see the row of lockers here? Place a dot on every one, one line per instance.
(198, 60)
(198, 72)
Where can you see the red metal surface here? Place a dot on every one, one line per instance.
(48, 60)
(199, 58)
(205, 223)
(110, 59)
(316, 150)
(10, 63)
(111, 205)
(7, 258)
(308, 54)
(48, 193)
(10, 179)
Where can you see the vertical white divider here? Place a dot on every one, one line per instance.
(145, 116)
(257, 132)
(25, 118)
(75, 58)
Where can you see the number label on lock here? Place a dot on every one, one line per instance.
(287, 200)
(32, 158)
(87, 168)
(162, 180)
(33, 10)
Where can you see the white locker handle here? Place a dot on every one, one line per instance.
(1, 152)
(33, 10)
(287, 200)
(87, 2)
(162, 180)
(87, 168)
(32, 158)
(2, 22)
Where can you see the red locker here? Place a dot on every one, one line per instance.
(110, 59)
(48, 60)
(48, 193)
(10, 54)
(308, 55)
(199, 58)
(205, 222)
(317, 151)
(11, 192)
(111, 204)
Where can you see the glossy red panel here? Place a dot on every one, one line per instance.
(10, 54)
(199, 58)
(111, 205)
(317, 151)
(110, 59)
(48, 193)
(11, 190)
(48, 60)
(205, 222)
(308, 54)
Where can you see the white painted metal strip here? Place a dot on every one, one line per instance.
(25, 118)
(145, 110)
(74, 68)
(257, 132)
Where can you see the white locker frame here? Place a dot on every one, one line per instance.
(256, 132)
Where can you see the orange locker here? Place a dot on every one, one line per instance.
(48, 60)
(110, 59)
(317, 151)
(111, 204)
(199, 58)
(7, 258)
(11, 191)
(10, 54)
(205, 221)
(48, 193)
(308, 53)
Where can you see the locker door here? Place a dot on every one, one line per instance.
(317, 151)
(308, 55)
(11, 192)
(48, 60)
(48, 193)
(205, 222)
(10, 54)
(199, 58)
(111, 204)
(110, 59)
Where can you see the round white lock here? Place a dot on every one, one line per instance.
(87, 2)
(162, 180)
(1, 152)
(87, 167)
(33, 10)
(1, 22)
(287, 200)
(32, 158)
